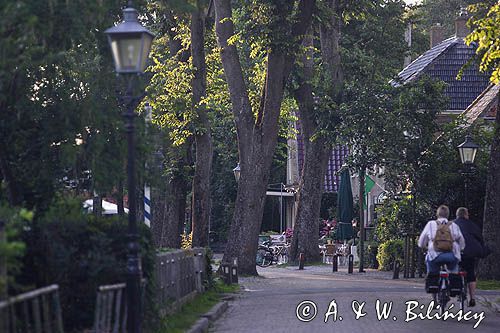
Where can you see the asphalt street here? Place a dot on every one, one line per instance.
(289, 300)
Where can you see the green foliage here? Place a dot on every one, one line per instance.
(59, 113)
(12, 248)
(80, 252)
(186, 241)
(388, 253)
(328, 208)
(209, 282)
(488, 285)
(440, 180)
(486, 29)
(189, 313)
(373, 41)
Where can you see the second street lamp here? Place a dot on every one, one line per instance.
(237, 172)
(130, 44)
(467, 150)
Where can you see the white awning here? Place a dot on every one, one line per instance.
(108, 208)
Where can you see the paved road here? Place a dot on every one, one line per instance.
(268, 304)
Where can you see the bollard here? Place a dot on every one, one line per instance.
(395, 275)
(226, 272)
(301, 261)
(335, 263)
(234, 271)
(351, 264)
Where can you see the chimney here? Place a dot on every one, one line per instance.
(437, 34)
(461, 29)
(408, 33)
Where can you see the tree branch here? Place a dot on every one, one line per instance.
(242, 109)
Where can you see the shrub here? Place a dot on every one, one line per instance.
(80, 252)
(388, 252)
(186, 241)
(371, 251)
(12, 247)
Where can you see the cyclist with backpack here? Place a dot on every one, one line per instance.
(474, 248)
(444, 242)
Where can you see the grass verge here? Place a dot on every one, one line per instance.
(190, 312)
(488, 285)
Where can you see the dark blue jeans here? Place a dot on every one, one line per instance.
(445, 258)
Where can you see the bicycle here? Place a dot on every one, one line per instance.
(445, 288)
(267, 254)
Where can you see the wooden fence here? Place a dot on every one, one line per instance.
(111, 309)
(179, 275)
(36, 311)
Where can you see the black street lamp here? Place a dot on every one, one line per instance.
(467, 150)
(130, 44)
(237, 172)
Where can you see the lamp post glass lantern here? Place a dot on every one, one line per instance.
(237, 172)
(130, 44)
(468, 150)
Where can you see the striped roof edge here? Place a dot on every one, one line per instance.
(417, 66)
(482, 105)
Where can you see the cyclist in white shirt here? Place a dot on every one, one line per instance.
(436, 258)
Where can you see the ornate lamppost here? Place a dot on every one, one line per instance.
(468, 150)
(130, 44)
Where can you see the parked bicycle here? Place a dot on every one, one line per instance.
(269, 253)
(447, 285)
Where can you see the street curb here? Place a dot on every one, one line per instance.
(489, 303)
(201, 325)
(216, 311)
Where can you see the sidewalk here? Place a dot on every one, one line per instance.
(270, 303)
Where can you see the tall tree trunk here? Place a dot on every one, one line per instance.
(305, 233)
(171, 213)
(316, 153)
(168, 202)
(257, 136)
(203, 138)
(489, 267)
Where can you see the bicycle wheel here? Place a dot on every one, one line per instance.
(263, 258)
(283, 256)
(462, 299)
(443, 300)
(463, 294)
